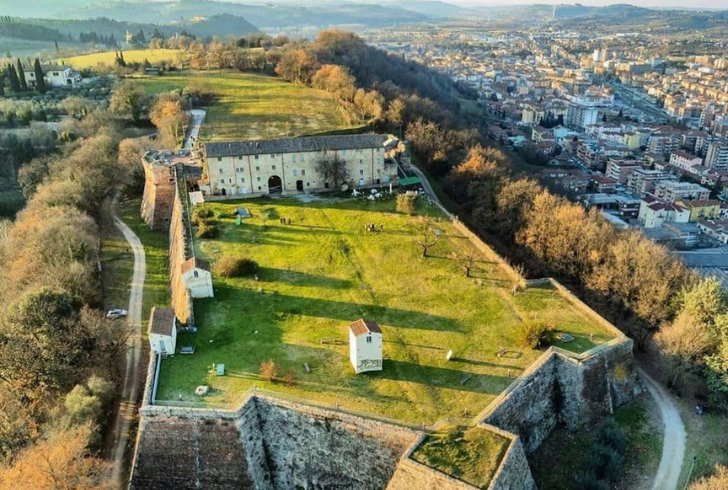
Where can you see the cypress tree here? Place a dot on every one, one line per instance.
(13, 78)
(58, 50)
(39, 80)
(21, 76)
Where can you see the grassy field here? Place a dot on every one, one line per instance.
(252, 106)
(322, 272)
(707, 441)
(108, 58)
(156, 250)
(472, 455)
(563, 455)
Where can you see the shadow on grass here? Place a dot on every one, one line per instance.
(456, 360)
(272, 275)
(339, 310)
(454, 379)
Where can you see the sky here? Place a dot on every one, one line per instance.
(718, 4)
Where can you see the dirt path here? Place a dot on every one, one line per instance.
(129, 396)
(673, 446)
(197, 116)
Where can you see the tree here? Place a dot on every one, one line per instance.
(169, 116)
(407, 203)
(269, 370)
(21, 76)
(13, 78)
(683, 346)
(40, 84)
(332, 169)
(717, 481)
(129, 99)
(59, 461)
(426, 236)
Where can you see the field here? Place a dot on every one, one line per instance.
(108, 58)
(324, 271)
(251, 106)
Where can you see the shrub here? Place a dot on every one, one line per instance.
(407, 203)
(289, 378)
(588, 481)
(535, 334)
(611, 436)
(229, 266)
(605, 462)
(82, 406)
(207, 229)
(269, 370)
(200, 214)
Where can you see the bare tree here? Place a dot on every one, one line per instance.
(426, 236)
(332, 169)
(468, 260)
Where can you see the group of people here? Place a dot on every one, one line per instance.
(285, 221)
(372, 227)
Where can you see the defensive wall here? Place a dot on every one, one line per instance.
(269, 443)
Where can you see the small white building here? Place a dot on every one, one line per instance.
(197, 278)
(162, 331)
(365, 346)
(54, 76)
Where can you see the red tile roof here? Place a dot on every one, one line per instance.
(362, 326)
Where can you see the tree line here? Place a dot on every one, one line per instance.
(58, 352)
(15, 75)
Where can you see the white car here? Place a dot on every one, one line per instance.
(114, 314)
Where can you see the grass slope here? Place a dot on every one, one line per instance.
(252, 106)
(472, 455)
(324, 271)
(108, 58)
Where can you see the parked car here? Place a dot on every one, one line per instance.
(116, 313)
(190, 329)
(187, 349)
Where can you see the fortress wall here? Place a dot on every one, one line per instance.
(159, 191)
(565, 388)
(316, 449)
(179, 246)
(514, 472)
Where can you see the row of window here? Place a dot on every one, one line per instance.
(273, 167)
(295, 174)
(303, 157)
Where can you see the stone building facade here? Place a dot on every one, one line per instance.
(289, 165)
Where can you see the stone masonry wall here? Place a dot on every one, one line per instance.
(314, 449)
(564, 388)
(178, 253)
(159, 191)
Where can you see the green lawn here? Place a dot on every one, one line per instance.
(472, 455)
(252, 106)
(156, 250)
(108, 58)
(324, 271)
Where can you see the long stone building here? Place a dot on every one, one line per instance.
(289, 165)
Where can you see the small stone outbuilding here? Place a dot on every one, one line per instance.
(365, 346)
(197, 277)
(162, 331)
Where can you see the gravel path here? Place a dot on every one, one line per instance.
(130, 390)
(673, 446)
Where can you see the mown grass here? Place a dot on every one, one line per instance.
(108, 58)
(156, 250)
(707, 440)
(322, 272)
(556, 464)
(252, 106)
(472, 455)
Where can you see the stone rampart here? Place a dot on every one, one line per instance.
(159, 191)
(560, 387)
(180, 248)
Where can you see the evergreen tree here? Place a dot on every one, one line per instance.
(21, 76)
(39, 80)
(58, 50)
(13, 78)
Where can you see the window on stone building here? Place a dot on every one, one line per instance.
(219, 159)
(272, 167)
(222, 171)
(303, 172)
(257, 169)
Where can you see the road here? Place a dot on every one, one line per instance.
(130, 390)
(197, 117)
(673, 445)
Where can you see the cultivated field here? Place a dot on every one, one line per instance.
(108, 58)
(322, 272)
(251, 106)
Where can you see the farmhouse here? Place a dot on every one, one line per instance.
(162, 331)
(197, 278)
(54, 76)
(365, 346)
(289, 165)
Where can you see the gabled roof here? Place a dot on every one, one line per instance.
(296, 145)
(195, 263)
(161, 321)
(362, 327)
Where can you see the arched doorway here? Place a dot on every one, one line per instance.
(275, 185)
(299, 185)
